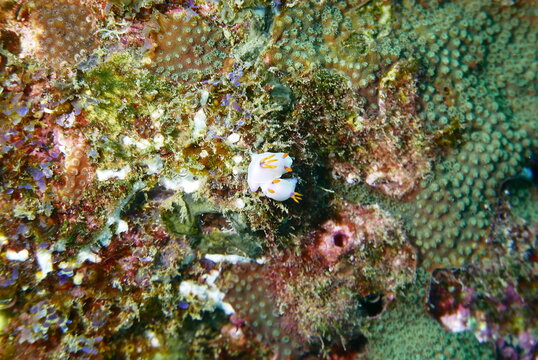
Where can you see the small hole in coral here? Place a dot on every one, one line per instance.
(372, 304)
(339, 239)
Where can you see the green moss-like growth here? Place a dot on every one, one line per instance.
(323, 106)
(208, 230)
(119, 90)
(195, 339)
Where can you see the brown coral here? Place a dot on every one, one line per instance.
(187, 46)
(64, 31)
(397, 154)
(77, 168)
(250, 295)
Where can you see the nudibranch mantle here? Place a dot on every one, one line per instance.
(265, 170)
(266, 167)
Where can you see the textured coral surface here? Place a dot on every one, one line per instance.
(64, 31)
(127, 227)
(186, 44)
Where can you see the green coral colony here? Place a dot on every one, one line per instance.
(128, 229)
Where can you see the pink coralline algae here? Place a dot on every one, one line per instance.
(358, 228)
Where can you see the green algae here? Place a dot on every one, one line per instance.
(122, 90)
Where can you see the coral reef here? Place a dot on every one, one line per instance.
(455, 208)
(359, 257)
(130, 225)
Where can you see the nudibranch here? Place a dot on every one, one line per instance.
(267, 167)
(265, 171)
(281, 189)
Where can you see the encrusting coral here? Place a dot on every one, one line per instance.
(454, 210)
(62, 32)
(187, 46)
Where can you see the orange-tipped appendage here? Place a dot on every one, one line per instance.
(288, 169)
(297, 197)
(276, 181)
(264, 163)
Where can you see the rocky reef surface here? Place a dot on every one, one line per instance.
(127, 226)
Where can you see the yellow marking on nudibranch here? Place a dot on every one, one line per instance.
(264, 163)
(271, 191)
(285, 155)
(276, 181)
(288, 169)
(297, 197)
(267, 158)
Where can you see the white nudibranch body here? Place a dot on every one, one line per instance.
(265, 171)
(266, 167)
(280, 189)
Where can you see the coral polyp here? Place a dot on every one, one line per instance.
(62, 31)
(269, 179)
(188, 46)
